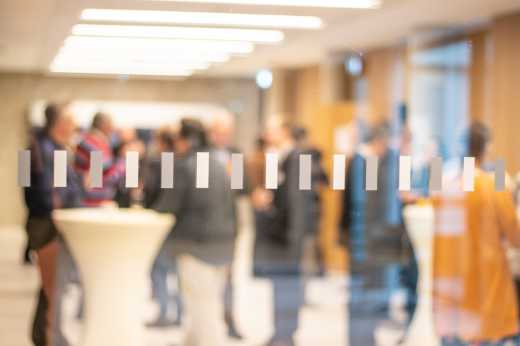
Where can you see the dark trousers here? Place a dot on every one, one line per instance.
(370, 289)
(288, 298)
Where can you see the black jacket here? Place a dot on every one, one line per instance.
(205, 220)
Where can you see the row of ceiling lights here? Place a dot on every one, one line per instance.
(140, 42)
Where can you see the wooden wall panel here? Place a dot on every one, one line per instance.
(505, 105)
(385, 71)
(479, 76)
(321, 120)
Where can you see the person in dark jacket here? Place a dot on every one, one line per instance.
(292, 217)
(164, 141)
(203, 237)
(371, 222)
(41, 198)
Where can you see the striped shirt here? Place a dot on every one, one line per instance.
(113, 168)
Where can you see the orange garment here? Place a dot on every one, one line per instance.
(474, 297)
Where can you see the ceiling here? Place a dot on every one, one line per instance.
(31, 33)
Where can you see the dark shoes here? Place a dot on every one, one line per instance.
(232, 329)
(162, 322)
(280, 343)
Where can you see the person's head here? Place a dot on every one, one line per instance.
(278, 133)
(478, 139)
(51, 112)
(192, 136)
(102, 122)
(377, 138)
(260, 143)
(299, 135)
(59, 123)
(165, 139)
(221, 130)
(127, 134)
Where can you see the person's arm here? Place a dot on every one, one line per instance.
(507, 217)
(173, 200)
(46, 186)
(346, 213)
(152, 183)
(113, 171)
(38, 196)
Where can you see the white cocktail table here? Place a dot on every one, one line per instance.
(114, 250)
(419, 221)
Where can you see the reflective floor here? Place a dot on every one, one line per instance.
(322, 319)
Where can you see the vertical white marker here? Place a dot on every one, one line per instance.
(405, 173)
(96, 169)
(132, 169)
(24, 168)
(339, 171)
(305, 181)
(202, 179)
(371, 173)
(436, 174)
(469, 174)
(271, 171)
(237, 171)
(60, 168)
(167, 170)
(500, 175)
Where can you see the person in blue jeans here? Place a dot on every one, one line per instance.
(164, 141)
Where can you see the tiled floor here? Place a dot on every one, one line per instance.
(325, 298)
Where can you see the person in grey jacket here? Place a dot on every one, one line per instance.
(204, 235)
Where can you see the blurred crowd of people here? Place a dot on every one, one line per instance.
(475, 301)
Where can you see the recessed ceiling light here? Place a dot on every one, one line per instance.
(202, 18)
(158, 45)
(264, 79)
(294, 3)
(193, 33)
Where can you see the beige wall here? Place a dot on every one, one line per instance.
(17, 91)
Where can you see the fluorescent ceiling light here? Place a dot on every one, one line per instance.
(294, 3)
(159, 45)
(119, 71)
(140, 54)
(129, 64)
(193, 33)
(202, 18)
(149, 59)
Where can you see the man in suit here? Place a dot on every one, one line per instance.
(203, 237)
(278, 254)
(371, 224)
